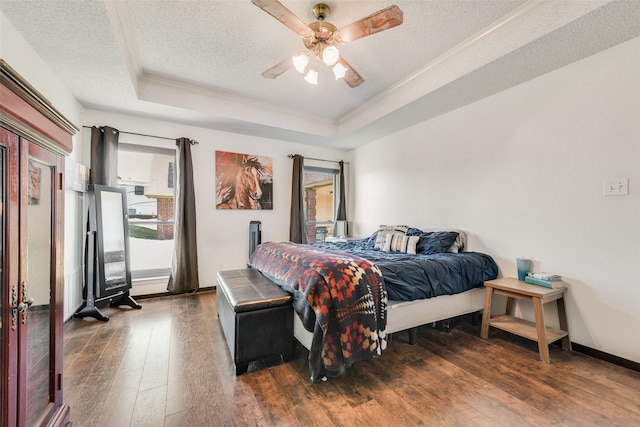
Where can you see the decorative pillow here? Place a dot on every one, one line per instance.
(385, 230)
(456, 247)
(459, 244)
(411, 246)
(400, 243)
(435, 242)
(388, 239)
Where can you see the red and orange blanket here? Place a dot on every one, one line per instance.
(339, 297)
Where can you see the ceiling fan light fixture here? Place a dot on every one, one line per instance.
(330, 55)
(300, 62)
(321, 37)
(312, 76)
(339, 70)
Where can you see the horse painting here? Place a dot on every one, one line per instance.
(239, 181)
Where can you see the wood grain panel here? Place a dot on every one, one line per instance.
(447, 379)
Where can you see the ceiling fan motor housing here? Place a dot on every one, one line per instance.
(321, 11)
(322, 31)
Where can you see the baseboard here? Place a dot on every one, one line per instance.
(625, 363)
(166, 294)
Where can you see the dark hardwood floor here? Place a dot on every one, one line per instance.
(168, 365)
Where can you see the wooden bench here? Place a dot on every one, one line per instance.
(256, 317)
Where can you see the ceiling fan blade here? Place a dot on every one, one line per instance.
(379, 21)
(284, 15)
(351, 77)
(278, 69)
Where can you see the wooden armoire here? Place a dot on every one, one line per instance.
(34, 140)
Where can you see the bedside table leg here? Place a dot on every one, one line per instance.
(562, 317)
(543, 345)
(486, 312)
(509, 308)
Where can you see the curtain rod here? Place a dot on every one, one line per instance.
(193, 141)
(319, 160)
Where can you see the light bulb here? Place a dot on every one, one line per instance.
(339, 71)
(312, 76)
(300, 62)
(330, 55)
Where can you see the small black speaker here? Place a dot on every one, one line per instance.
(255, 235)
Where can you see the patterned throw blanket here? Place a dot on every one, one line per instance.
(341, 298)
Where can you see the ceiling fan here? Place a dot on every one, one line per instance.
(321, 37)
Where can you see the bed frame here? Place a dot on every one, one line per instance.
(411, 314)
(407, 315)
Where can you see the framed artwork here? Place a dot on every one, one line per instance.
(243, 181)
(76, 176)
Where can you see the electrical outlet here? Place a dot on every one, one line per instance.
(616, 187)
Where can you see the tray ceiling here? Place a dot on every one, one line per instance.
(200, 62)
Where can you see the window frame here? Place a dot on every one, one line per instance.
(335, 172)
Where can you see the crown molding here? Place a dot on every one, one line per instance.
(515, 30)
(18, 85)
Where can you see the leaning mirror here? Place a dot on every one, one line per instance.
(108, 273)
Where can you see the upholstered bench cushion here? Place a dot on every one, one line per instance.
(249, 290)
(256, 317)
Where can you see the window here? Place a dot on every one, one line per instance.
(148, 175)
(320, 200)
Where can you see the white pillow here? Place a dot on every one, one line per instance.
(387, 242)
(410, 247)
(400, 243)
(397, 243)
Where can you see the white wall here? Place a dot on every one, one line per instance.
(223, 235)
(523, 172)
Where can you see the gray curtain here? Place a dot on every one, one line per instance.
(341, 215)
(104, 171)
(104, 156)
(184, 265)
(297, 229)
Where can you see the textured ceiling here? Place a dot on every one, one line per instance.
(200, 62)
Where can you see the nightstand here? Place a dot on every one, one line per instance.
(536, 331)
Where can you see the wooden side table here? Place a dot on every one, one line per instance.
(538, 296)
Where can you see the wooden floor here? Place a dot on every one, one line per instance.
(168, 365)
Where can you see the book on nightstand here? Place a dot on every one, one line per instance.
(551, 284)
(546, 276)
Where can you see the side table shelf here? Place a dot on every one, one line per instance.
(536, 331)
(525, 329)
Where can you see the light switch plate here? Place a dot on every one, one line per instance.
(616, 187)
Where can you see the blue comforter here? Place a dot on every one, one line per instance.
(410, 277)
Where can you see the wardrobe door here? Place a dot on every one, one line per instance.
(9, 198)
(40, 294)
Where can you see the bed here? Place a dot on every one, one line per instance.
(349, 296)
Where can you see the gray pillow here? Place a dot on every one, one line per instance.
(436, 242)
